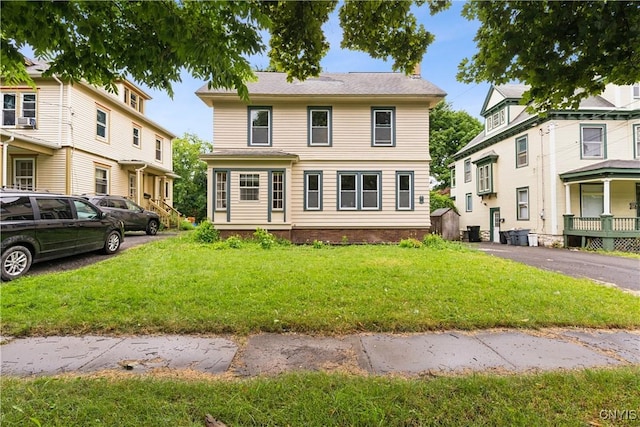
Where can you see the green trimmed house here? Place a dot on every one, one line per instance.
(571, 177)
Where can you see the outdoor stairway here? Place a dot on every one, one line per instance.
(169, 216)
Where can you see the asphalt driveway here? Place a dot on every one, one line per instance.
(619, 271)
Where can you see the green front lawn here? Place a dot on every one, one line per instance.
(590, 397)
(178, 286)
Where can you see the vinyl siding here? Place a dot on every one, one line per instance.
(351, 130)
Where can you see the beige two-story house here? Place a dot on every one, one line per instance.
(570, 177)
(340, 157)
(79, 139)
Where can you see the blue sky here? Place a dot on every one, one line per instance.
(453, 42)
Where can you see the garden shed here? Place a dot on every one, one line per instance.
(446, 222)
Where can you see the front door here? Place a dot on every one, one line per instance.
(494, 223)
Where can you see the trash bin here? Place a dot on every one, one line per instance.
(521, 237)
(474, 233)
(533, 239)
(504, 237)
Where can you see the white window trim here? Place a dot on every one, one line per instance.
(221, 182)
(328, 111)
(161, 150)
(391, 127)
(602, 142)
(133, 136)
(106, 179)
(17, 178)
(254, 180)
(275, 191)
(268, 127)
(525, 152)
(523, 204)
(307, 191)
(15, 108)
(105, 124)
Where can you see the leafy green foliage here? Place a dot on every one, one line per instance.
(264, 238)
(153, 41)
(410, 243)
(190, 190)
(449, 131)
(234, 242)
(186, 226)
(439, 201)
(206, 233)
(385, 28)
(564, 50)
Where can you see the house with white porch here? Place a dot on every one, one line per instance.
(569, 177)
(80, 139)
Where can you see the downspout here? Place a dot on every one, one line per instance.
(5, 159)
(553, 177)
(139, 182)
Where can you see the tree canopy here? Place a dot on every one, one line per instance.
(151, 41)
(564, 50)
(449, 131)
(190, 190)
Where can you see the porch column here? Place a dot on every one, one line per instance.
(607, 197)
(567, 199)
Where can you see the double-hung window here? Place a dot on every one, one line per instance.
(29, 106)
(260, 126)
(102, 180)
(592, 141)
(404, 191)
(24, 173)
(522, 151)
(453, 177)
(383, 126)
(136, 133)
(277, 190)
(221, 189)
(636, 144)
(159, 149)
(102, 123)
(522, 195)
(468, 202)
(467, 170)
(249, 186)
(319, 119)
(9, 109)
(313, 191)
(359, 190)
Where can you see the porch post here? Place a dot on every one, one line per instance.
(607, 196)
(567, 199)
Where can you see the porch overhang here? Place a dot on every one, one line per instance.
(149, 167)
(27, 143)
(249, 154)
(609, 169)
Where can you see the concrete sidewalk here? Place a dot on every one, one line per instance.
(452, 352)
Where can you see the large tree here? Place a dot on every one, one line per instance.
(151, 41)
(565, 50)
(190, 190)
(449, 131)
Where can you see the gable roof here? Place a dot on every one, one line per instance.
(334, 84)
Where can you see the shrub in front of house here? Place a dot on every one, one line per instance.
(206, 233)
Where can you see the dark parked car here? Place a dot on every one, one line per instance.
(42, 226)
(134, 217)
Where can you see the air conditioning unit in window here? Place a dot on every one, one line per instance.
(27, 122)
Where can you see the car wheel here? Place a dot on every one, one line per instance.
(152, 227)
(15, 262)
(112, 244)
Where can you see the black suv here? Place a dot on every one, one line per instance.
(42, 226)
(134, 217)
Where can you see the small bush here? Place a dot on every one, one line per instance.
(318, 244)
(345, 240)
(234, 242)
(410, 243)
(186, 226)
(434, 241)
(264, 238)
(206, 233)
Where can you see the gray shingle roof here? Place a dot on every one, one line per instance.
(609, 164)
(362, 84)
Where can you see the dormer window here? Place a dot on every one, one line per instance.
(133, 99)
(496, 119)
